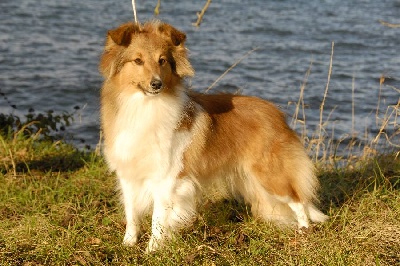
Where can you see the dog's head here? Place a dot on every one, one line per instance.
(150, 57)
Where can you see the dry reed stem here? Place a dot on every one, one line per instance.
(390, 25)
(14, 165)
(8, 151)
(201, 14)
(323, 147)
(386, 122)
(320, 138)
(98, 149)
(230, 68)
(157, 8)
(134, 11)
(381, 81)
(352, 107)
(301, 102)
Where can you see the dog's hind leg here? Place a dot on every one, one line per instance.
(285, 186)
(299, 211)
(281, 209)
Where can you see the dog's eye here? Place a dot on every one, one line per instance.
(162, 61)
(138, 61)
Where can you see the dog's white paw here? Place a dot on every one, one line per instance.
(153, 245)
(130, 240)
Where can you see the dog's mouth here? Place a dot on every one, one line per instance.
(150, 91)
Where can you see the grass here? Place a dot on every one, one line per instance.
(64, 211)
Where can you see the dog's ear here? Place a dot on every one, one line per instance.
(177, 37)
(117, 40)
(123, 34)
(181, 66)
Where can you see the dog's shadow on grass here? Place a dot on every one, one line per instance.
(55, 162)
(338, 186)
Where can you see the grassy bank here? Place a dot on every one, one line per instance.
(58, 206)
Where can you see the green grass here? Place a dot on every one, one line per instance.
(58, 206)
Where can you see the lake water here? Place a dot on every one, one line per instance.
(49, 52)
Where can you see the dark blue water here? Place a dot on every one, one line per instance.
(49, 52)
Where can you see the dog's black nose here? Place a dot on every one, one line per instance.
(156, 84)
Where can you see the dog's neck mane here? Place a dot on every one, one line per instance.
(154, 118)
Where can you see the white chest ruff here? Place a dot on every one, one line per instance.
(145, 143)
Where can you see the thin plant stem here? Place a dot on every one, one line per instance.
(201, 14)
(230, 68)
(134, 11)
(390, 25)
(157, 8)
(352, 107)
(321, 109)
(381, 81)
(301, 102)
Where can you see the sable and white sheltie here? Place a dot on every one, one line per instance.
(168, 145)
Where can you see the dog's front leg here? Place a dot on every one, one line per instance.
(132, 226)
(174, 208)
(159, 228)
(135, 204)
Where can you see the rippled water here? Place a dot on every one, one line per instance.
(49, 51)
